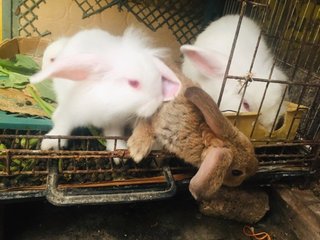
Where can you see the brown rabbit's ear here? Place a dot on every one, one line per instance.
(211, 173)
(213, 117)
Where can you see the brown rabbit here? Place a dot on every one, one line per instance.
(192, 127)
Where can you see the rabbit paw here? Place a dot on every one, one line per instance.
(47, 144)
(138, 148)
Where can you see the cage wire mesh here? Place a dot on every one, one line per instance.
(291, 29)
(27, 16)
(184, 18)
(91, 7)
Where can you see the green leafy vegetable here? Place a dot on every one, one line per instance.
(47, 107)
(18, 80)
(45, 89)
(2, 74)
(26, 62)
(15, 73)
(2, 147)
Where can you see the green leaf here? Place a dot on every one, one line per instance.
(26, 62)
(29, 143)
(45, 89)
(28, 165)
(4, 71)
(3, 74)
(12, 79)
(48, 108)
(17, 80)
(4, 79)
(6, 63)
(95, 132)
(2, 146)
(5, 82)
(16, 161)
(20, 64)
(15, 73)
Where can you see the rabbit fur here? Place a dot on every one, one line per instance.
(206, 140)
(104, 81)
(206, 60)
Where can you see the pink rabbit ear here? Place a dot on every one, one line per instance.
(170, 82)
(208, 62)
(211, 173)
(75, 67)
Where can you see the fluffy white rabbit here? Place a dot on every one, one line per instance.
(205, 63)
(104, 81)
(49, 56)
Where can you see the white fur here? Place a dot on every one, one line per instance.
(104, 99)
(214, 43)
(49, 56)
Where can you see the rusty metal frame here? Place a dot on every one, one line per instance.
(62, 198)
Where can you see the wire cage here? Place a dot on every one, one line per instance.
(291, 29)
(85, 172)
(184, 18)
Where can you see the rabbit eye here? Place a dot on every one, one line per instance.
(134, 83)
(236, 173)
(52, 59)
(246, 105)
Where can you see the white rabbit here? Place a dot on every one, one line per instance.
(104, 81)
(205, 63)
(49, 56)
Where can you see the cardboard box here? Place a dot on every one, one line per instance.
(64, 18)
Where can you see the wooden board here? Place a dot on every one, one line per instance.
(301, 209)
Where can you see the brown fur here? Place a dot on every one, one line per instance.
(182, 129)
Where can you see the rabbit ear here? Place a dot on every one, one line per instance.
(208, 62)
(171, 84)
(211, 173)
(213, 117)
(75, 67)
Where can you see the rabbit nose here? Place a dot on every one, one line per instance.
(236, 172)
